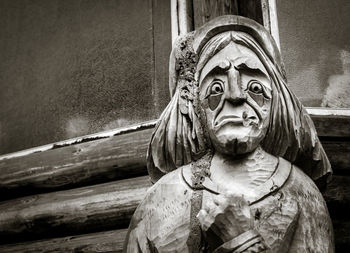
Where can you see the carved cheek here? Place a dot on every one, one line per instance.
(258, 98)
(214, 101)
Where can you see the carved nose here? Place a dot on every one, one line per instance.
(234, 92)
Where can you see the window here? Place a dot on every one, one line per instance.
(71, 68)
(315, 44)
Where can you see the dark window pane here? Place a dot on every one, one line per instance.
(70, 68)
(315, 43)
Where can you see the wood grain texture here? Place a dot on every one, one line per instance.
(338, 202)
(266, 14)
(124, 156)
(337, 196)
(341, 235)
(335, 126)
(108, 241)
(96, 161)
(203, 11)
(81, 210)
(251, 9)
(112, 242)
(161, 41)
(101, 206)
(338, 153)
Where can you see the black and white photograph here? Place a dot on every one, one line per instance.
(174, 126)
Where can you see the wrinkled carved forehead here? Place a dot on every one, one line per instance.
(239, 24)
(193, 43)
(228, 49)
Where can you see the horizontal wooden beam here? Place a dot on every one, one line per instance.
(338, 154)
(120, 154)
(337, 196)
(103, 207)
(112, 242)
(315, 112)
(81, 210)
(124, 155)
(107, 241)
(81, 139)
(338, 202)
(331, 122)
(102, 160)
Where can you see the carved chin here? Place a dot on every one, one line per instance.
(237, 141)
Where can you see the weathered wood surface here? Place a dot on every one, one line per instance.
(330, 122)
(101, 160)
(338, 153)
(333, 126)
(161, 50)
(337, 196)
(206, 10)
(90, 207)
(124, 156)
(338, 202)
(81, 210)
(103, 206)
(251, 9)
(203, 11)
(109, 241)
(341, 235)
(112, 242)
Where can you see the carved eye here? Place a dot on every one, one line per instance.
(255, 87)
(216, 88)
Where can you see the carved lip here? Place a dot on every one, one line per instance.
(235, 120)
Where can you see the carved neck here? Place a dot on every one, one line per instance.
(246, 172)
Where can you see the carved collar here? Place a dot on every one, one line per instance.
(274, 183)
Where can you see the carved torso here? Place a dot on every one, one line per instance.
(289, 213)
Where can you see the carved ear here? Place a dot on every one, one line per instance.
(177, 137)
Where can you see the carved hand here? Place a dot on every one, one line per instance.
(227, 215)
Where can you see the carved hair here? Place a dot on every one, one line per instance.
(179, 137)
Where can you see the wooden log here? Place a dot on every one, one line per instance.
(338, 154)
(82, 210)
(124, 156)
(80, 164)
(341, 235)
(331, 122)
(107, 241)
(337, 197)
(112, 242)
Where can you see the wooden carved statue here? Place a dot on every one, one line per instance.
(234, 156)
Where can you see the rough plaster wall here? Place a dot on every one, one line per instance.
(70, 68)
(314, 35)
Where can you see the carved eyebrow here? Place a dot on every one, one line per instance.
(250, 67)
(241, 63)
(222, 67)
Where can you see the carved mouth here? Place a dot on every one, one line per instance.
(228, 119)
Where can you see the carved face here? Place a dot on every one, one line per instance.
(235, 94)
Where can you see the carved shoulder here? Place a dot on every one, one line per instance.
(314, 217)
(162, 220)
